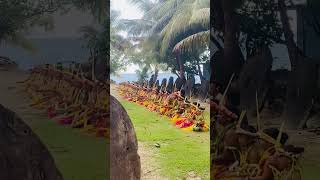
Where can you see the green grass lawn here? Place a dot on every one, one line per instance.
(180, 152)
(78, 156)
(310, 172)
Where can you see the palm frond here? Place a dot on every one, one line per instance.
(162, 22)
(185, 22)
(161, 9)
(143, 5)
(201, 16)
(101, 9)
(173, 30)
(178, 24)
(134, 26)
(194, 43)
(114, 16)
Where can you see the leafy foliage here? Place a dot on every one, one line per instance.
(98, 8)
(142, 74)
(118, 45)
(197, 41)
(167, 27)
(262, 15)
(18, 16)
(312, 16)
(259, 24)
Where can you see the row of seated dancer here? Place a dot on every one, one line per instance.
(70, 98)
(241, 151)
(183, 113)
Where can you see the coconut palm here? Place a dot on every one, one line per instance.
(98, 43)
(179, 25)
(98, 8)
(176, 21)
(17, 17)
(142, 74)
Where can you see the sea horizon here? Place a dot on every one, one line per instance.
(132, 77)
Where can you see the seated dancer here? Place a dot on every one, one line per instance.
(188, 117)
(200, 125)
(183, 109)
(151, 98)
(61, 90)
(143, 95)
(94, 112)
(276, 164)
(83, 112)
(182, 113)
(256, 157)
(87, 106)
(102, 124)
(172, 101)
(77, 106)
(232, 138)
(65, 92)
(165, 107)
(47, 92)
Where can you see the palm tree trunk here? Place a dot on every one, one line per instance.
(216, 42)
(199, 70)
(230, 30)
(156, 72)
(232, 56)
(101, 69)
(302, 79)
(289, 38)
(181, 68)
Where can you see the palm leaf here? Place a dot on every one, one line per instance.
(161, 9)
(135, 26)
(201, 16)
(162, 22)
(194, 43)
(187, 20)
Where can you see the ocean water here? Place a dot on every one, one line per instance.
(48, 51)
(131, 77)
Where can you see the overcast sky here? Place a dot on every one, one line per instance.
(127, 11)
(66, 25)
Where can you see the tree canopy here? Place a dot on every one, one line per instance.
(169, 30)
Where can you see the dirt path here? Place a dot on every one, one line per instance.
(149, 167)
(149, 155)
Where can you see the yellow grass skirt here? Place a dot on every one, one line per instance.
(175, 118)
(188, 129)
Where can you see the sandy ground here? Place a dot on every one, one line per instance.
(150, 169)
(9, 93)
(13, 97)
